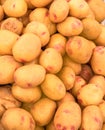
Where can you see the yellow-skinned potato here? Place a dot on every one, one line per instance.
(67, 61)
(27, 43)
(78, 49)
(98, 61)
(12, 24)
(18, 119)
(40, 3)
(43, 111)
(67, 75)
(7, 40)
(53, 87)
(40, 30)
(51, 60)
(71, 26)
(91, 28)
(26, 95)
(78, 8)
(8, 65)
(68, 116)
(30, 75)
(15, 8)
(91, 118)
(90, 94)
(58, 10)
(58, 42)
(42, 15)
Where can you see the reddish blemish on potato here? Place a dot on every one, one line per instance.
(55, 17)
(47, 14)
(64, 128)
(22, 60)
(100, 49)
(72, 128)
(68, 0)
(97, 120)
(99, 70)
(58, 126)
(66, 111)
(79, 43)
(43, 33)
(76, 24)
(31, 123)
(29, 84)
(22, 118)
(58, 47)
(80, 101)
(81, 5)
(49, 68)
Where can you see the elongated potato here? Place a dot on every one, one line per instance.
(53, 87)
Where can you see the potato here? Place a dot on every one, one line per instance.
(1, 13)
(90, 94)
(7, 40)
(67, 75)
(40, 3)
(39, 29)
(68, 116)
(8, 65)
(78, 84)
(18, 119)
(51, 60)
(26, 95)
(78, 49)
(78, 8)
(58, 42)
(91, 118)
(27, 43)
(75, 66)
(29, 76)
(42, 15)
(99, 80)
(53, 87)
(15, 8)
(91, 28)
(58, 10)
(71, 26)
(12, 24)
(98, 61)
(50, 126)
(43, 111)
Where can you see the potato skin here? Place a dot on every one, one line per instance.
(23, 119)
(68, 116)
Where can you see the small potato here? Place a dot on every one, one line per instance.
(68, 116)
(50, 126)
(79, 49)
(27, 48)
(98, 61)
(67, 61)
(78, 8)
(53, 87)
(58, 10)
(51, 60)
(17, 119)
(91, 118)
(58, 42)
(39, 29)
(7, 40)
(68, 97)
(12, 24)
(43, 111)
(99, 80)
(29, 76)
(8, 65)
(42, 15)
(90, 94)
(40, 3)
(26, 95)
(71, 26)
(1, 13)
(15, 8)
(67, 75)
(91, 28)
(78, 84)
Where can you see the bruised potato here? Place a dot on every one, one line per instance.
(23, 119)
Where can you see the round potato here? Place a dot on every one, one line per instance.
(51, 60)
(39, 29)
(18, 119)
(27, 43)
(26, 95)
(30, 75)
(12, 24)
(43, 111)
(15, 8)
(71, 26)
(53, 87)
(68, 116)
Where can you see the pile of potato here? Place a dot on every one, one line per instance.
(52, 65)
